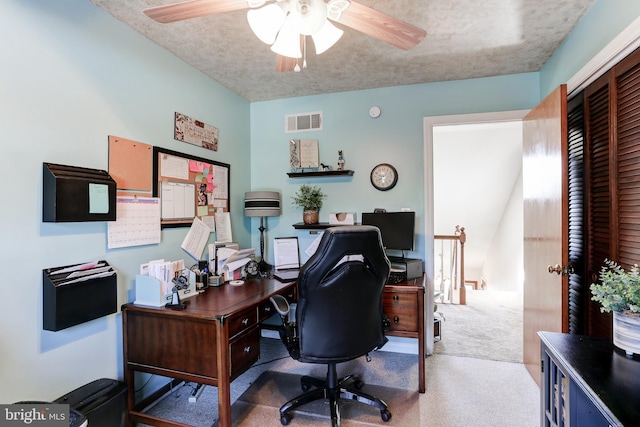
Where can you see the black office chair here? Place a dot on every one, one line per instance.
(338, 315)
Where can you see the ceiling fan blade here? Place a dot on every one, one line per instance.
(381, 26)
(285, 64)
(193, 9)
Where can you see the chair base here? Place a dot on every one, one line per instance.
(333, 389)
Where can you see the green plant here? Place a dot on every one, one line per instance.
(618, 290)
(308, 197)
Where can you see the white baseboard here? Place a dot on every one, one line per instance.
(395, 344)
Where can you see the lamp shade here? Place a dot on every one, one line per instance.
(262, 203)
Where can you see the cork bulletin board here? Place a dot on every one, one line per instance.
(130, 165)
(189, 187)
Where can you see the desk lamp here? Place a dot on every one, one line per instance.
(262, 204)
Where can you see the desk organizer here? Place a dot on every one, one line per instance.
(68, 301)
(150, 291)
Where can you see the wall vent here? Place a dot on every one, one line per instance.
(303, 122)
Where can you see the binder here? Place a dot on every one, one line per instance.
(77, 293)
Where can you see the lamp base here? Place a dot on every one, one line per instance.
(264, 266)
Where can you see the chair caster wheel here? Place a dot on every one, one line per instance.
(285, 419)
(304, 386)
(385, 415)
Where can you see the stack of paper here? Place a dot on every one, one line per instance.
(196, 239)
(82, 272)
(231, 260)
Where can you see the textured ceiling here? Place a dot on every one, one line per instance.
(465, 39)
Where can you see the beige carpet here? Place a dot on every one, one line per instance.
(262, 401)
(489, 327)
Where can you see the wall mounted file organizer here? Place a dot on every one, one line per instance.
(74, 194)
(77, 293)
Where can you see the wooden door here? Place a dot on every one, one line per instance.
(544, 172)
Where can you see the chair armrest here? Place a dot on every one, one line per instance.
(281, 304)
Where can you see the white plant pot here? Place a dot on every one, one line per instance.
(626, 333)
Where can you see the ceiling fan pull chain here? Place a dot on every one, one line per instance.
(304, 52)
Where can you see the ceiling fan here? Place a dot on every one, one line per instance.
(289, 21)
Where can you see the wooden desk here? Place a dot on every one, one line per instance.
(403, 303)
(214, 340)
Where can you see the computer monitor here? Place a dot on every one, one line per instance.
(396, 228)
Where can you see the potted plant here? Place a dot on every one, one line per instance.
(309, 198)
(618, 291)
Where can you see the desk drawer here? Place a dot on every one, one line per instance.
(402, 310)
(403, 318)
(242, 321)
(400, 298)
(245, 351)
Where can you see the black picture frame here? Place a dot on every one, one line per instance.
(218, 198)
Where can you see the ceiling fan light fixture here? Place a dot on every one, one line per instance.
(336, 7)
(288, 41)
(255, 3)
(326, 37)
(266, 22)
(308, 16)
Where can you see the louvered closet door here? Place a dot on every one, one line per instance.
(628, 160)
(599, 200)
(576, 215)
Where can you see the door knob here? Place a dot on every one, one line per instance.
(555, 269)
(560, 270)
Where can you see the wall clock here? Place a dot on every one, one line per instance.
(384, 177)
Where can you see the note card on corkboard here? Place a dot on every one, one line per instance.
(130, 164)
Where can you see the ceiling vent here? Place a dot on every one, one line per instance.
(303, 122)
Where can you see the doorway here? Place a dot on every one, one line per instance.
(463, 152)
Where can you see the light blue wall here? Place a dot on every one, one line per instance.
(71, 75)
(602, 23)
(395, 137)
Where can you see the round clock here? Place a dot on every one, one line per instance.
(384, 177)
(251, 269)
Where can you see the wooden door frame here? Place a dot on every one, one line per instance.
(616, 50)
(428, 125)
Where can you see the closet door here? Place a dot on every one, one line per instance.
(627, 160)
(598, 198)
(578, 294)
(612, 168)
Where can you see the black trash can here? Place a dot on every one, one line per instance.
(103, 402)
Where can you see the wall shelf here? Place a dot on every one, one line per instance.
(320, 173)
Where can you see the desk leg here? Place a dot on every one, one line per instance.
(224, 373)
(421, 349)
(129, 376)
